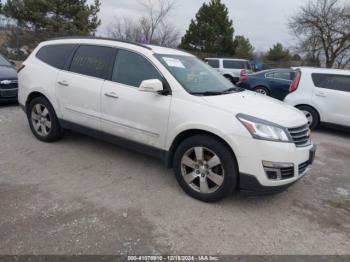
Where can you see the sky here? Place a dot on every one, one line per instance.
(264, 22)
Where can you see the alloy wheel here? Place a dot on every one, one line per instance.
(202, 170)
(309, 117)
(261, 91)
(41, 120)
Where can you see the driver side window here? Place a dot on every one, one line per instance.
(131, 69)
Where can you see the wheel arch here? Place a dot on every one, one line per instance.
(33, 95)
(189, 133)
(314, 108)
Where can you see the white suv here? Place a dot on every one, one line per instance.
(232, 69)
(169, 104)
(323, 95)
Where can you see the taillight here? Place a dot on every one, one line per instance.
(244, 75)
(20, 68)
(294, 86)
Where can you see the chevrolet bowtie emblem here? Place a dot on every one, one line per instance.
(6, 82)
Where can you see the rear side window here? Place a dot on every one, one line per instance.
(56, 55)
(95, 61)
(232, 64)
(214, 63)
(284, 75)
(334, 82)
(131, 69)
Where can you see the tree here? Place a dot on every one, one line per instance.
(243, 47)
(51, 18)
(211, 31)
(278, 53)
(152, 28)
(323, 31)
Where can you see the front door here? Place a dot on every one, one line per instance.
(129, 113)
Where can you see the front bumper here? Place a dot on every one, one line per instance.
(250, 185)
(8, 94)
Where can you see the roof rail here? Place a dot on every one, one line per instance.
(100, 38)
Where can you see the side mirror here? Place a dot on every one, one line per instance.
(13, 63)
(152, 85)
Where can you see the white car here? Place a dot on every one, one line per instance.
(323, 95)
(232, 69)
(169, 104)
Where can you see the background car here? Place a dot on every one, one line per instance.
(8, 81)
(232, 69)
(323, 95)
(274, 83)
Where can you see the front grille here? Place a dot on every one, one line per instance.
(12, 84)
(300, 135)
(303, 167)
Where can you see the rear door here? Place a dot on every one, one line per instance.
(129, 113)
(233, 67)
(79, 88)
(332, 95)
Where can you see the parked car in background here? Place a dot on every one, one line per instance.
(323, 95)
(274, 82)
(232, 69)
(169, 104)
(8, 81)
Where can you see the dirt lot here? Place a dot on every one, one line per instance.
(83, 196)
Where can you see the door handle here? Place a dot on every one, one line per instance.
(112, 95)
(321, 94)
(63, 83)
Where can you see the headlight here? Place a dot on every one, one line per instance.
(264, 130)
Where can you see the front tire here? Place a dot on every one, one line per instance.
(205, 168)
(312, 116)
(43, 120)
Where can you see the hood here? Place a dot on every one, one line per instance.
(8, 73)
(260, 106)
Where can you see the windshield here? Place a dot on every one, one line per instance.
(196, 76)
(4, 62)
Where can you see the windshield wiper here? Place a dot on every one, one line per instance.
(232, 89)
(217, 93)
(207, 93)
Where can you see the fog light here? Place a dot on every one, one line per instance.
(271, 174)
(278, 171)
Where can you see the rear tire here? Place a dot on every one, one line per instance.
(311, 115)
(205, 168)
(43, 120)
(262, 90)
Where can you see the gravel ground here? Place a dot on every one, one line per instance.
(84, 196)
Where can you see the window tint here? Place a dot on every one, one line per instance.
(233, 64)
(93, 61)
(131, 69)
(285, 75)
(334, 82)
(214, 63)
(56, 55)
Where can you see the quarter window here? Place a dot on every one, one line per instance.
(131, 69)
(56, 55)
(94, 61)
(333, 82)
